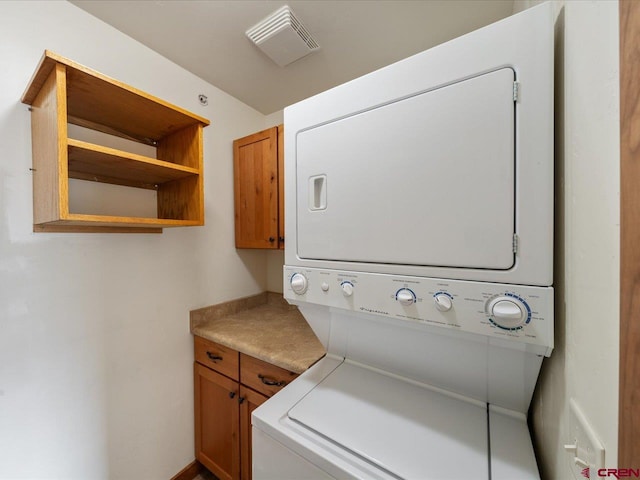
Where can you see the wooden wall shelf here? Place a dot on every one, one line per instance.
(63, 92)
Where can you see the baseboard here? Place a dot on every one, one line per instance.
(189, 472)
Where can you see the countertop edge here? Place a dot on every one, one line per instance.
(236, 314)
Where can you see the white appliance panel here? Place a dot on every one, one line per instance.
(272, 419)
(512, 455)
(469, 304)
(426, 180)
(273, 461)
(365, 412)
(329, 215)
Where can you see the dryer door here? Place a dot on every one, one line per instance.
(426, 180)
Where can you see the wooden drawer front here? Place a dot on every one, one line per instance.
(222, 359)
(262, 376)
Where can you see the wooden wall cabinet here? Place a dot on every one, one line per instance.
(228, 386)
(258, 162)
(63, 92)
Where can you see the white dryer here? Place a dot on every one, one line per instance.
(419, 248)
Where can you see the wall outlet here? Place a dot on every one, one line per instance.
(585, 449)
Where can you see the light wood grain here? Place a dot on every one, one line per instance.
(80, 219)
(258, 375)
(189, 472)
(629, 394)
(48, 228)
(183, 147)
(183, 199)
(256, 190)
(63, 91)
(250, 401)
(217, 423)
(228, 364)
(108, 165)
(48, 140)
(281, 238)
(97, 98)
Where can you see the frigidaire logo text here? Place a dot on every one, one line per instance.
(371, 310)
(613, 472)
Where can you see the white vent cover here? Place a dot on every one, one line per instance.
(283, 37)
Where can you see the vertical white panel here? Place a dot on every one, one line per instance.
(426, 180)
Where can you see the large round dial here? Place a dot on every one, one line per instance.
(299, 283)
(508, 312)
(406, 297)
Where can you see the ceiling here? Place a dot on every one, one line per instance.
(207, 38)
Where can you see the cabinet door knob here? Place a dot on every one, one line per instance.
(240, 400)
(281, 239)
(232, 394)
(271, 239)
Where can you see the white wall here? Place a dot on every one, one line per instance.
(95, 350)
(584, 364)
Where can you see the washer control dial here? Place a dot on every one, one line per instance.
(299, 283)
(406, 297)
(443, 302)
(508, 312)
(347, 288)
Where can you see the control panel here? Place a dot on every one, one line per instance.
(511, 312)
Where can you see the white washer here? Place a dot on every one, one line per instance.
(420, 250)
(409, 390)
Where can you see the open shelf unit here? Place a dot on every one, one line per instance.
(62, 92)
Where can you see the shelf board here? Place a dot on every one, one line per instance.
(88, 161)
(47, 228)
(76, 222)
(112, 106)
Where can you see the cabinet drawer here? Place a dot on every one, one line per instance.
(222, 359)
(262, 376)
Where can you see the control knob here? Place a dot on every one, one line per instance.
(443, 302)
(406, 297)
(299, 283)
(508, 312)
(347, 288)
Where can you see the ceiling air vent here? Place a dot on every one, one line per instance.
(283, 37)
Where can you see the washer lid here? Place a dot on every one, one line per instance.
(406, 429)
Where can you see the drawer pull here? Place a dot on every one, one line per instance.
(213, 357)
(271, 383)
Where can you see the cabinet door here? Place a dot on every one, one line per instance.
(217, 423)
(249, 401)
(255, 162)
(281, 187)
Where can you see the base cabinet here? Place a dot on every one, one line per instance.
(229, 386)
(217, 423)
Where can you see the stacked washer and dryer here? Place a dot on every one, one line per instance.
(419, 208)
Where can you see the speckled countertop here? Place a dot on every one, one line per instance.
(263, 326)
